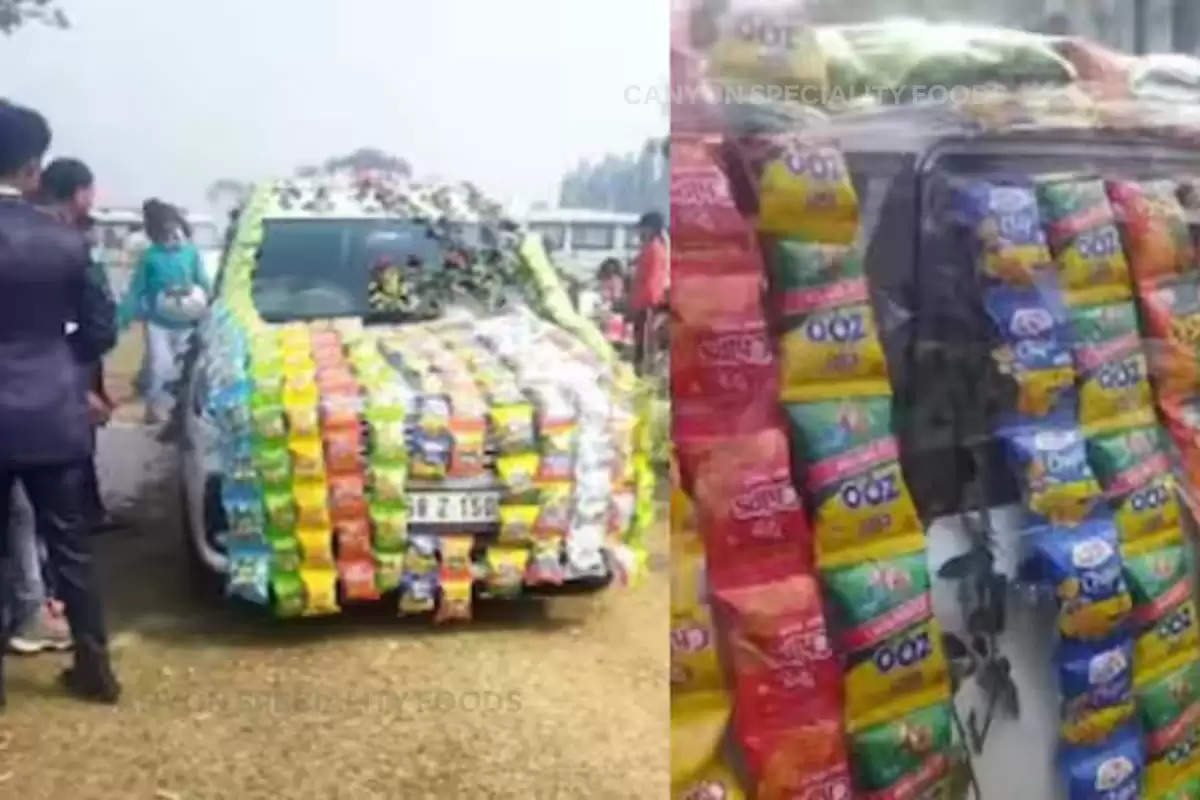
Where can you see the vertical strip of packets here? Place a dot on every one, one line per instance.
(1052, 285)
(1162, 260)
(759, 589)
(869, 539)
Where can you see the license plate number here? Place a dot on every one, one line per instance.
(452, 508)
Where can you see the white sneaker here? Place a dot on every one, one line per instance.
(41, 632)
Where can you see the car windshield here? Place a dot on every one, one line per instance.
(332, 267)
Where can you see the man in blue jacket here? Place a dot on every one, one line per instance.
(45, 430)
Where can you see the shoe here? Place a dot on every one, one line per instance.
(101, 687)
(41, 632)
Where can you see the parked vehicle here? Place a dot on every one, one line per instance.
(580, 240)
(393, 397)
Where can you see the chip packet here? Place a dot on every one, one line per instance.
(506, 570)
(1171, 316)
(704, 215)
(1033, 351)
(862, 503)
(1083, 565)
(285, 552)
(545, 563)
(1051, 462)
(694, 662)
(288, 592)
(418, 594)
(698, 723)
(1164, 609)
(352, 538)
(1096, 681)
(454, 601)
(320, 591)
(1083, 239)
(316, 546)
(1154, 228)
(1169, 708)
(908, 756)
(713, 781)
(250, 573)
(358, 579)
(1107, 771)
(516, 522)
(892, 646)
(1004, 224)
(1132, 467)
(389, 571)
(1114, 389)
(832, 352)
(389, 527)
(308, 458)
(456, 556)
(803, 187)
(785, 672)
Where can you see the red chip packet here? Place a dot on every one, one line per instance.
(704, 215)
(786, 678)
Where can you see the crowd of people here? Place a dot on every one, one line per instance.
(58, 319)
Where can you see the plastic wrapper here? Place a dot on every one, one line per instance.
(1153, 227)
(1169, 709)
(308, 458)
(280, 510)
(343, 449)
(288, 591)
(712, 780)
(389, 522)
(862, 502)
(694, 662)
(358, 580)
(554, 514)
(746, 503)
(506, 566)
(1114, 389)
(1112, 769)
(273, 464)
(517, 473)
(704, 215)
(545, 563)
(250, 573)
(389, 482)
(1083, 237)
(830, 352)
(698, 723)
(883, 617)
(786, 680)
(320, 591)
(908, 756)
(454, 601)
(316, 546)
(285, 554)
(1164, 609)
(1096, 681)
(352, 538)
(456, 555)
(1083, 564)
(1034, 351)
(1132, 467)
(312, 504)
(347, 497)
(1171, 315)
(389, 571)
(243, 503)
(1003, 222)
(418, 594)
(1058, 483)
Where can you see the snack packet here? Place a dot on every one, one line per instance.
(1031, 325)
(745, 501)
(243, 504)
(554, 514)
(1109, 770)
(862, 501)
(389, 482)
(320, 591)
(429, 456)
(545, 563)
(389, 440)
(316, 546)
(389, 522)
(285, 552)
(711, 781)
(558, 455)
(517, 472)
(1083, 565)
(389, 571)
(1114, 390)
(308, 458)
(1154, 228)
(268, 418)
(885, 629)
(456, 556)
(1084, 240)
(1096, 681)
(512, 427)
(312, 508)
(1164, 611)
(343, 450)
(358, 580)
(1186, 788)
(516, 522)
(1171, 315)
(347, 497)
(807, 759)
(908, 756)
(784, 668)
(698, 722)
(419, 593)
(467, 457)
(804, 190)
(832, 353)
(273, 463)
(281, 510)
(694, 662)
(288, 591)
(250, 573)
(455, 601)
(506, 570)
(1003, 220)
(1052, 461)
(1169, 708)
(704, 215)
(353, 539)
(1133, 469)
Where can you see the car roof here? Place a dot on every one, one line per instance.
(580, 215)
(361, 197)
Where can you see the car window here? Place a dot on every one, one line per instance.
(553, 236)
(319, 268)
(590, 236)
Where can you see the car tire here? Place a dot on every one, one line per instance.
(204, 582)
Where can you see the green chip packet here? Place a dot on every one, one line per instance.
(916, 746)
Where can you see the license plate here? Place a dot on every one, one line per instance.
(453, 508)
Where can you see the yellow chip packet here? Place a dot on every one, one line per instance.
(308, 458)
(1164, 609)
(832, 353)
(320, 591)
(312, 506)
(695, 665)
(516, 523)
(901, 674)
(698, 721)
(806, 193)
(316, 546)
(517, 472)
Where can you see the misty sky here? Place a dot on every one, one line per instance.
(163, 96)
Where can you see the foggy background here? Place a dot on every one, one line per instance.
(165, 97)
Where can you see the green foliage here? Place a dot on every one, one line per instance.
(633, 182)
(15, 13)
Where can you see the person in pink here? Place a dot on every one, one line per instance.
(651, 278)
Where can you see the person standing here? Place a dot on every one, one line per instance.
(68, 190)
(169, 292)
(45, 430)
(650, 279)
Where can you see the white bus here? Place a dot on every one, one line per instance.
(578, 240)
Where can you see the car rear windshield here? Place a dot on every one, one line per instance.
(320, 268)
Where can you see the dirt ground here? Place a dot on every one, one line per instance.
(566, 699)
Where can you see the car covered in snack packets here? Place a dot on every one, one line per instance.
(392, 398)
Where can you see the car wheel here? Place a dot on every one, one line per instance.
(205, 583)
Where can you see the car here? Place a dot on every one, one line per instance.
(392, 399)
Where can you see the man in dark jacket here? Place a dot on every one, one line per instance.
(45, 430)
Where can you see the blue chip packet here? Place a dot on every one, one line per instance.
(1083, 565)
(243, 504)
(1002, 218)
(250, 573)
(1052, 470)
(1111, 770)
(1096, 681)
